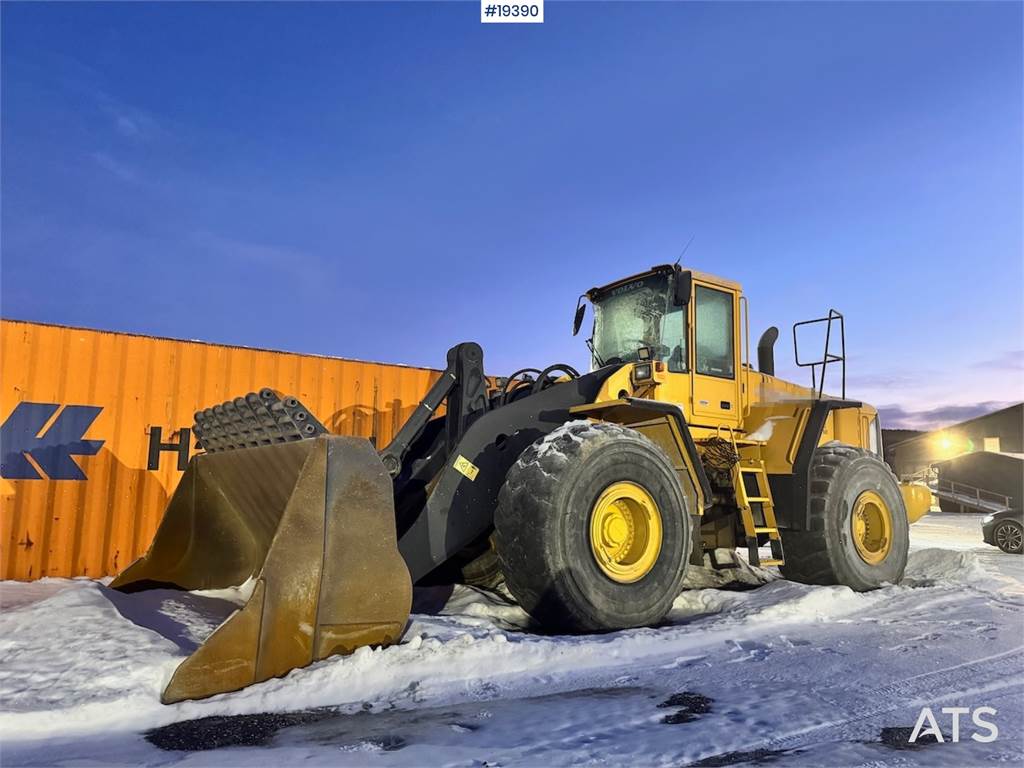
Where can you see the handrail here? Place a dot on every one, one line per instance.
(951, 486)
(828, 356)
(745, 366)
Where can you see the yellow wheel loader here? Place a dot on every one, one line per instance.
(589, 493)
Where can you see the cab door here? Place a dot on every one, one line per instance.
(716, 384)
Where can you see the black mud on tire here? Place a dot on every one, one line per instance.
(826, 553)
(542, 527)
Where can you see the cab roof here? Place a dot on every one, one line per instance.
(703, 277)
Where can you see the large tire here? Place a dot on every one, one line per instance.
(483, 571)
(827, 554)
(542, 528)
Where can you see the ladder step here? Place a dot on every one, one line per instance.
(752, 470)
(761, 499)
(766, 530)
(773, 562)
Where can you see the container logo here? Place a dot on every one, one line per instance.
(52, 450)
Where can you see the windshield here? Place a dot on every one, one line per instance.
(640, 314)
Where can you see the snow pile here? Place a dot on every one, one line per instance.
(16, 593)
(937, 567)
(485, 608)
(74, 662)
(742, 575)
(557, 440)
(75, 646)
(79, 658)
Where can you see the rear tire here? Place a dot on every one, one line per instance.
(1009, 537)
(484, 570)
(543, 529)
(842, 477)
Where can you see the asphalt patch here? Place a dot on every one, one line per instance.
(385, 730)
(688, 705)
(898, 737)
(229, 730)
(752, 757)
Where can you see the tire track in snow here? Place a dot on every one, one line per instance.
(988, 674)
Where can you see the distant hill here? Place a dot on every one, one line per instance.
(891, 437)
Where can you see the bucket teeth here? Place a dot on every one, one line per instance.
(254, 420)
(313, 521)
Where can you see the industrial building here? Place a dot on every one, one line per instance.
(997, 432)
(982, 481)
(974, 466)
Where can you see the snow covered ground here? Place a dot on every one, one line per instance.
(763, 671)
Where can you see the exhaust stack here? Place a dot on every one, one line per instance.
(766, 351)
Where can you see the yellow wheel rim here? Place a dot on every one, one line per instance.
(625, 532)
(871, 525)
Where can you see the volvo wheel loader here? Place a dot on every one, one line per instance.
(591, 493)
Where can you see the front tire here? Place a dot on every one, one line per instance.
(592, 529)
(859, 534)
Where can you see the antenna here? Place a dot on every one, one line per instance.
(685, 248)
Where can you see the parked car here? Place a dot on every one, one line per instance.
(1004, 530)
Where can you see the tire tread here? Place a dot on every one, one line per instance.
(807, 555)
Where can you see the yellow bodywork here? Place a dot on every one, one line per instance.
(871, 527)
(625, 532)
(311, 524)
(762, 412)
(917, 498)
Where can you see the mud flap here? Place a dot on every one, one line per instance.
(313, 521)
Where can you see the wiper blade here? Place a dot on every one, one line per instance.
(597, 357)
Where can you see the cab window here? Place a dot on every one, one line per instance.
(673, 339)
(640, 314)
(714, 333)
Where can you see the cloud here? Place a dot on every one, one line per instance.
(897, 417)
(134, 126)
(1011, 360)
(257, 254)
(884, 381)
(124, 172)
(126, 126)
(128, 121)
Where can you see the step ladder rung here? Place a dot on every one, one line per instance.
(769, 525)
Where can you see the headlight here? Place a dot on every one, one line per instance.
(987, 519)
(642, 372)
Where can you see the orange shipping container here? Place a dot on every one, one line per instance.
(95, 431)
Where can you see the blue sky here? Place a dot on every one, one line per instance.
(382, 180)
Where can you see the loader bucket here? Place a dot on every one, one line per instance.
(313, 522)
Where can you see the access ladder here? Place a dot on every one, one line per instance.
(757, 511)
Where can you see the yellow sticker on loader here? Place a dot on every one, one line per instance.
(466, 467)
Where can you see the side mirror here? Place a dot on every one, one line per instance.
(581, 310)
(684, 287)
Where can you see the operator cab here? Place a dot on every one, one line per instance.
(687, 321)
